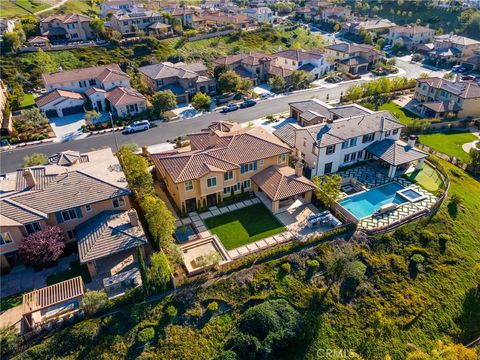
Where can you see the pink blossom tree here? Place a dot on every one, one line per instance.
(44, 247)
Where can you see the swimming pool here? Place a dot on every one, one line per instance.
(366, 203)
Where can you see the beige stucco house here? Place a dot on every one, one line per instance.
(70, 27)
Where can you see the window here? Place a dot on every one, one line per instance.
(159, 83)
(118, 202)
(353, 142)
(72, 234)
(5, 238)
(346, 158)
(345, 144)
(228, 175)
(353, 156)
(328, 168)
(388, 133)
(92, 82)
(304, 142)
(74, 36)
(69, 214)
(282, 158)
(261, 162)
(188, 185)
(247, 184)
(330, 149)
(252, 166)
(360, 155)
(395, 132)
(368, 138)
(32, 228)
(88, 207)
(211, 182)
(227, 190)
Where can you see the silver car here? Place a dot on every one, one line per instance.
(138, 126)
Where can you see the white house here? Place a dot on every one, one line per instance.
(310, 61)
(346, 136)
(410, 35)
(260, 14)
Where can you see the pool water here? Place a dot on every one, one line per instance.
(184, 232)
(366, 203)
(411, 195)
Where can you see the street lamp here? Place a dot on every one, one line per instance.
(113, 130)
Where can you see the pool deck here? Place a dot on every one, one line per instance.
(372, 178)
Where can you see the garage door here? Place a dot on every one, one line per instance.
(51, 113)
(72, 110)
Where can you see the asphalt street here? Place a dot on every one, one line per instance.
(10, 160)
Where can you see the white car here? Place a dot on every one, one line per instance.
(138, 126)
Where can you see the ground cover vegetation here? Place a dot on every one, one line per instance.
(244, 226)
(449, 143)
(396, 294)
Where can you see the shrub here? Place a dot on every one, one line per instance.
(212, 307)
(158, 272)
(43, 247)
(94, 301)
(313, 264)
(286, 268)
(9, 338)
(171, 311)
(146, 335)
(417, 259)
(35, 159)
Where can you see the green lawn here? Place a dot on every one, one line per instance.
(75, 270)
(28, 101)
(11, 301)
(244, 226)
(403, 115)
(427, 178)
(21, 7)
(449, 143)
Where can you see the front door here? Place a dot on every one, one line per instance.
(211, 200)
(191, 205)
(99, 106)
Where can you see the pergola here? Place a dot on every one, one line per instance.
(45, 304)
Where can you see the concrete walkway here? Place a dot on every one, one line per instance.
(51, 7)
(468, 146)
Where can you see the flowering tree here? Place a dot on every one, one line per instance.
(43, 247)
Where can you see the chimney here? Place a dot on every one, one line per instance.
(382, 122)
(298, 168)
(412, 139)
(133, 216)
(29, 178)
(212, 139)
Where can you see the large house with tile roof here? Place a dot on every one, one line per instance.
(149, 21)
(226, 160)
(439, 98)
(410, 36)
(184, 80)
(85, 194)
(70, 27)
(358, 57)
(107, 88)
(327, 138)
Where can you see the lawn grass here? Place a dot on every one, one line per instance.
(75, 270)
(403, 115)
(244, 226)
(21, 7)
(12, 301)
(449, 143)
(427, 178)
(27, 102)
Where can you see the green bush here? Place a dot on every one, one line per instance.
(9, 338)
(146, 335)
(171, 311)
(94, 301)
(212, 307)
(286, 268)
(417, 259)
(313, 264)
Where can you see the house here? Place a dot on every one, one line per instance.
(113, 6)
(42, 308)
(216, 18)
(73, 189)
(71, 27)
(260, 14)
(342, 136)
(440, 98)
(184, 80)
(129, 22)
(471, 62)
(376, 25)
(185, 16)
(451, 47)
(39, 41)
(217, 4)
(410, 36)
(358, 57)
(5, 117)
(259, 67)
(336, 13)
(220, 163)
(107, 87)
(7, 25)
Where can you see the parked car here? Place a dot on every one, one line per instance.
(229, 108)
(387, 47)
(458, 69)
(138, 126)
(266, 95)
(468, 77)
(248, 103)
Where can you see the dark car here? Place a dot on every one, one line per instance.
(230, 108)
(468, 77)
(247, 104)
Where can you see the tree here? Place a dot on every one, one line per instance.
(444, 351)
(164, 101)
(30, 26)
(245, 86)
(91, 116)
(98, 27)
(201, 101)
(146, 335)
(336, 27)
(328, 188)
(143, 271)
(277, 83)
(211, 259)
(300, 79)
(228, 81)
(44, 62)
(94, 301)
(34, 160)
(474, 159)
(12, 40)
(158, 272)
(136, 171)
(43, 247)
(379, 44)
(161, 222)
(17, 96)
(449, 76)
(34, 117)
